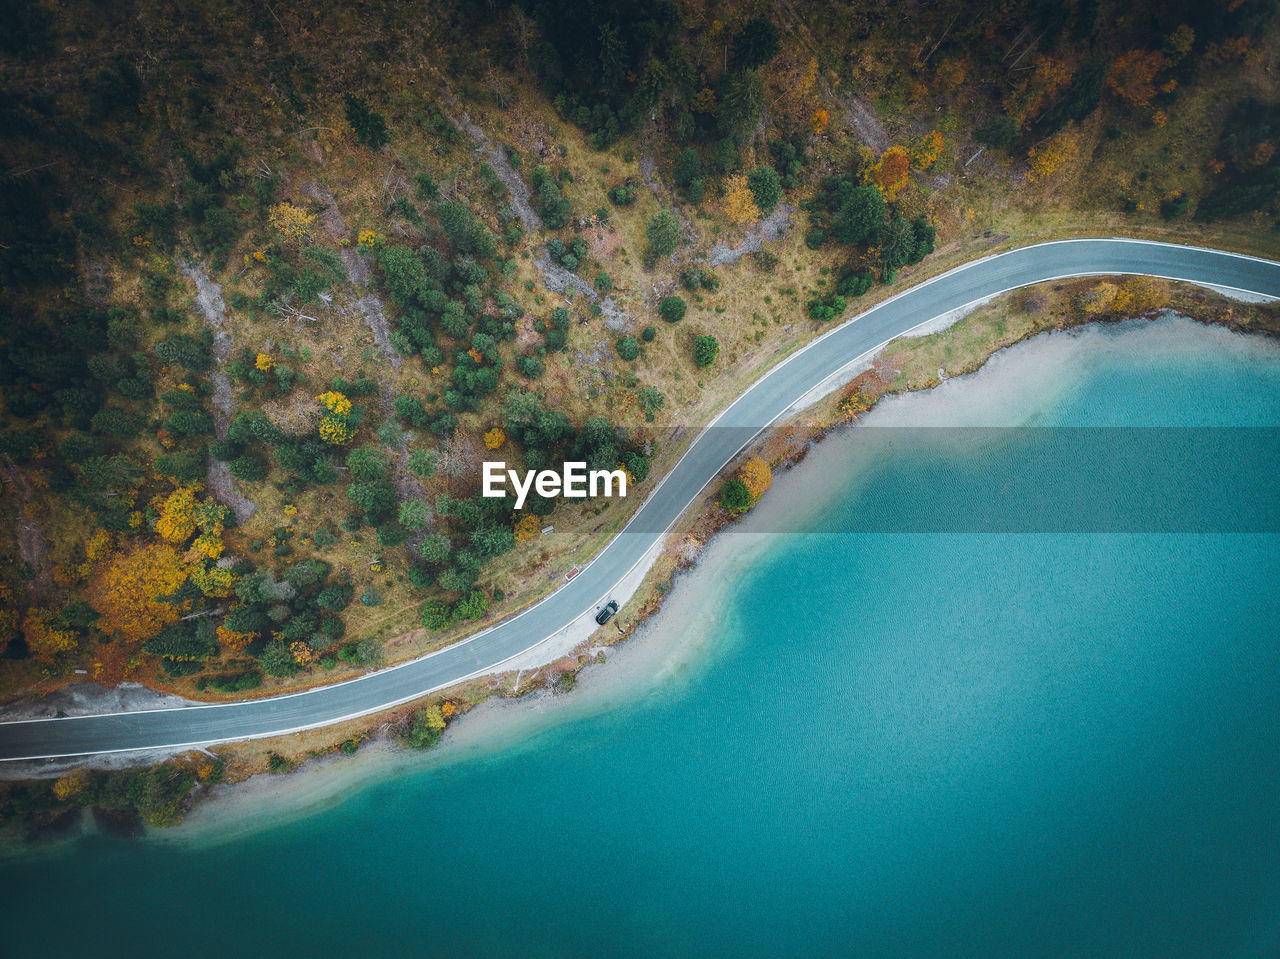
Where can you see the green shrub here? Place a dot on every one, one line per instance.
(672, 308)
(705, 350)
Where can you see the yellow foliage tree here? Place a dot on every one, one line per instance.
(1098, 300)
(335, 403)
(1049, 158)
(819, 120)
(72, 784)
(213, 582)
(757, 477)
(236, 642)
(925, 153)
(739, 202)
(265, 362)
(176, 523)
(335, 429)
(526, 527)
(302, 654)
(130, 592)
(1139, 294)
(45, 636)
(494, 438)
(292, 223)
(434, 717)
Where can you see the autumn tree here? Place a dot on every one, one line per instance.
(1133, 74)
(889, 175)
(739, 202)
(1096, 301)
(925, 153)
(293, 224)
(46, 637)
(1050, 157)
(756, 476)
(132, 592)
(71, 785)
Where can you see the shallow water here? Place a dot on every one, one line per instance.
(1018, 743)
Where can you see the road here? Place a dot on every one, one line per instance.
(762, 404)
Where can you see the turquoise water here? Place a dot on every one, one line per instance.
(903, 745)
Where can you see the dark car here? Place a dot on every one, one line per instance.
(604, 615)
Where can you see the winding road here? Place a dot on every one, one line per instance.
(767, 400)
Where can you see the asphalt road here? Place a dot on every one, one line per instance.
(767, 400)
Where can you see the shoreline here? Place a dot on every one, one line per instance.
(785, 445)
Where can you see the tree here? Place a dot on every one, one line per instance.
(890, 174)
(1132, 77)
(435, 614)
(1046, 160)
(651, 400)
(370, 128)
(756, 476)
(424, 728)
(705, 350)
(766, 188)
(663, 234)
(925, 153)
(1000, 134)
(735, 498)
(422, 463)
(741, 104)
(132, 592)
(414, 513)
(739, 201)
(859, 216)
(687, 168)
(755, 44)
(367, 463)
(494, 438)
(376, 497)
(434, 548)
(672, 308)
(628, 348)
(277, 659)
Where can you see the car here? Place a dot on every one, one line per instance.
(604, 615)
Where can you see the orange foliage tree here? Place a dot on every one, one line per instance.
(818, 120)
(757, 477)
(1132, 76)
(130, 592)
(494, 438)
(890, 174)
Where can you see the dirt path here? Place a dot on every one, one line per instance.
(771, 228)
(213, 308)
(521, 203)
(555, 277)
(33, 550)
